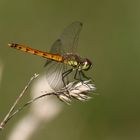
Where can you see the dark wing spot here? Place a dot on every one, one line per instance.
(59, 40)
(81, 23)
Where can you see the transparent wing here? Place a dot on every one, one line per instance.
(55, 49)
(68, 40)
(54, 69)
(54, 72)
(65, 44)
(69, 37)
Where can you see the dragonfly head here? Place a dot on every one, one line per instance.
(86, 64)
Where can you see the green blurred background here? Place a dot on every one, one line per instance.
(110, 38)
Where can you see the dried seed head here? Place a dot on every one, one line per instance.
(79, 90)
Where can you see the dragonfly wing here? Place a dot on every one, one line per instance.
(54, 72)
(65, 44)
(54, 69)
(55, 49)
(69, 38)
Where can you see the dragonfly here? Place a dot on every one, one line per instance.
(62, 59)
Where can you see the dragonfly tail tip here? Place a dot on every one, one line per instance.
(9, 44)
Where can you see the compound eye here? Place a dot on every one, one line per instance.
(87, 64)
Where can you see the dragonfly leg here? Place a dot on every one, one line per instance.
(75, 76)
(64, 74)
(84, 76)
(79, 75)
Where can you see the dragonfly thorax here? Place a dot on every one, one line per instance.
(77, 62)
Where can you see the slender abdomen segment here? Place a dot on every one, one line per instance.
(24, 48)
